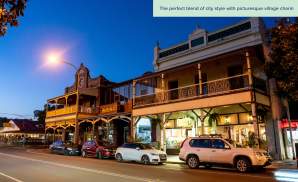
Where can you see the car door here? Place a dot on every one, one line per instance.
(127, 152)
(220, 152)
(60, 147)
(136, 152)
(200, 147)
(92, 148)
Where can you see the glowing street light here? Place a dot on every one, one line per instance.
(56, 58)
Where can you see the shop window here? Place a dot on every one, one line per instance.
(170, 124)
(184, 122)
(201, 143)
(228, 119)
(245, 118)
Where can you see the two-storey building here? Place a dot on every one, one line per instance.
(212, 83)
(90, 108)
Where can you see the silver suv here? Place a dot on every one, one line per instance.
(210, 150)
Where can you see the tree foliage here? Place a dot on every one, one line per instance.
(40, 115)
(10, 10)
(284, 57)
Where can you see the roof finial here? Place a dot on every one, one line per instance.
(157, 43)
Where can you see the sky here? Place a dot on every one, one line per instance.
(113, 38)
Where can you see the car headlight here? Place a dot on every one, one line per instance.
(154, 154)
(68, 148)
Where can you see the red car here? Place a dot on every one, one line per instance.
(94, 149)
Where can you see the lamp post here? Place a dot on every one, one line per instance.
(55, 59)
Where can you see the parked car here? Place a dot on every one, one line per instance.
(210, 150)
(59, 147)
(139, 152)
(99, 150)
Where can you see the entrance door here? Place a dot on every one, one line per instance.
(237, 82)
(173, 90)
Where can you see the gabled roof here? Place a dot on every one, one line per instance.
(23, 126)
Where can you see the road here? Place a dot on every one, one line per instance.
(23, 165)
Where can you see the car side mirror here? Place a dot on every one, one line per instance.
(137, 148)
(227, 147)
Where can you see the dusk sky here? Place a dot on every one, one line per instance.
(114, 38)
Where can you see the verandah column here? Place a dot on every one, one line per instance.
(253, 104)
(164, 143)
(200, 79)
(76, 134)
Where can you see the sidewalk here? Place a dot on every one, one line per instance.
(285, 164)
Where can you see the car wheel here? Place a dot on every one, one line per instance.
(193, 162)
(119, 157)
(99, 155)
(84, 153)
(145, 159)
(243, 165)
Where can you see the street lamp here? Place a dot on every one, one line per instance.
(55, 58)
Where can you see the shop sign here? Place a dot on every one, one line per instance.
(185, 123)
(285, 124)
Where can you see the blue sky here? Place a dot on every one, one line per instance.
(114, 38)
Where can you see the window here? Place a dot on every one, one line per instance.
(174, 50)
(218, 144)
(230, 31)
(201, 143)
(197, 41)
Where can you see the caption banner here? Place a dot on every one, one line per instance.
(225, 8)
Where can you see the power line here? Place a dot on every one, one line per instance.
(18, 115)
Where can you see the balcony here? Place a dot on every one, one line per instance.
(62, 111)
(116, 107)
(210, 88)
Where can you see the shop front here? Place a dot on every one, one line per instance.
(284, 125)
(237, 128)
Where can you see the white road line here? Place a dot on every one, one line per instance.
(9, 177)
(82, 169)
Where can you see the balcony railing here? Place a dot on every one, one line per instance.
(214, 87)
(62, 111)
(109, 108)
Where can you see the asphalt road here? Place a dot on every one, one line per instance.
(23, 165)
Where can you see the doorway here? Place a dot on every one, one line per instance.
(236, 82)
(173, 89)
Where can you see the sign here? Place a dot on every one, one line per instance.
(285, 124)
(225, 8)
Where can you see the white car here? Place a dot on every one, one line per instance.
(140, 152)
(210, 151)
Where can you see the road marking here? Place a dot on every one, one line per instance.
(170, 166)
(82, 169)
(9, 177)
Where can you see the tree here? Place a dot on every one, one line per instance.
(283, 65)
(40, 115)
(10, 10)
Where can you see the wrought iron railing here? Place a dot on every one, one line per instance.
(62, 111)
(214, 87)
